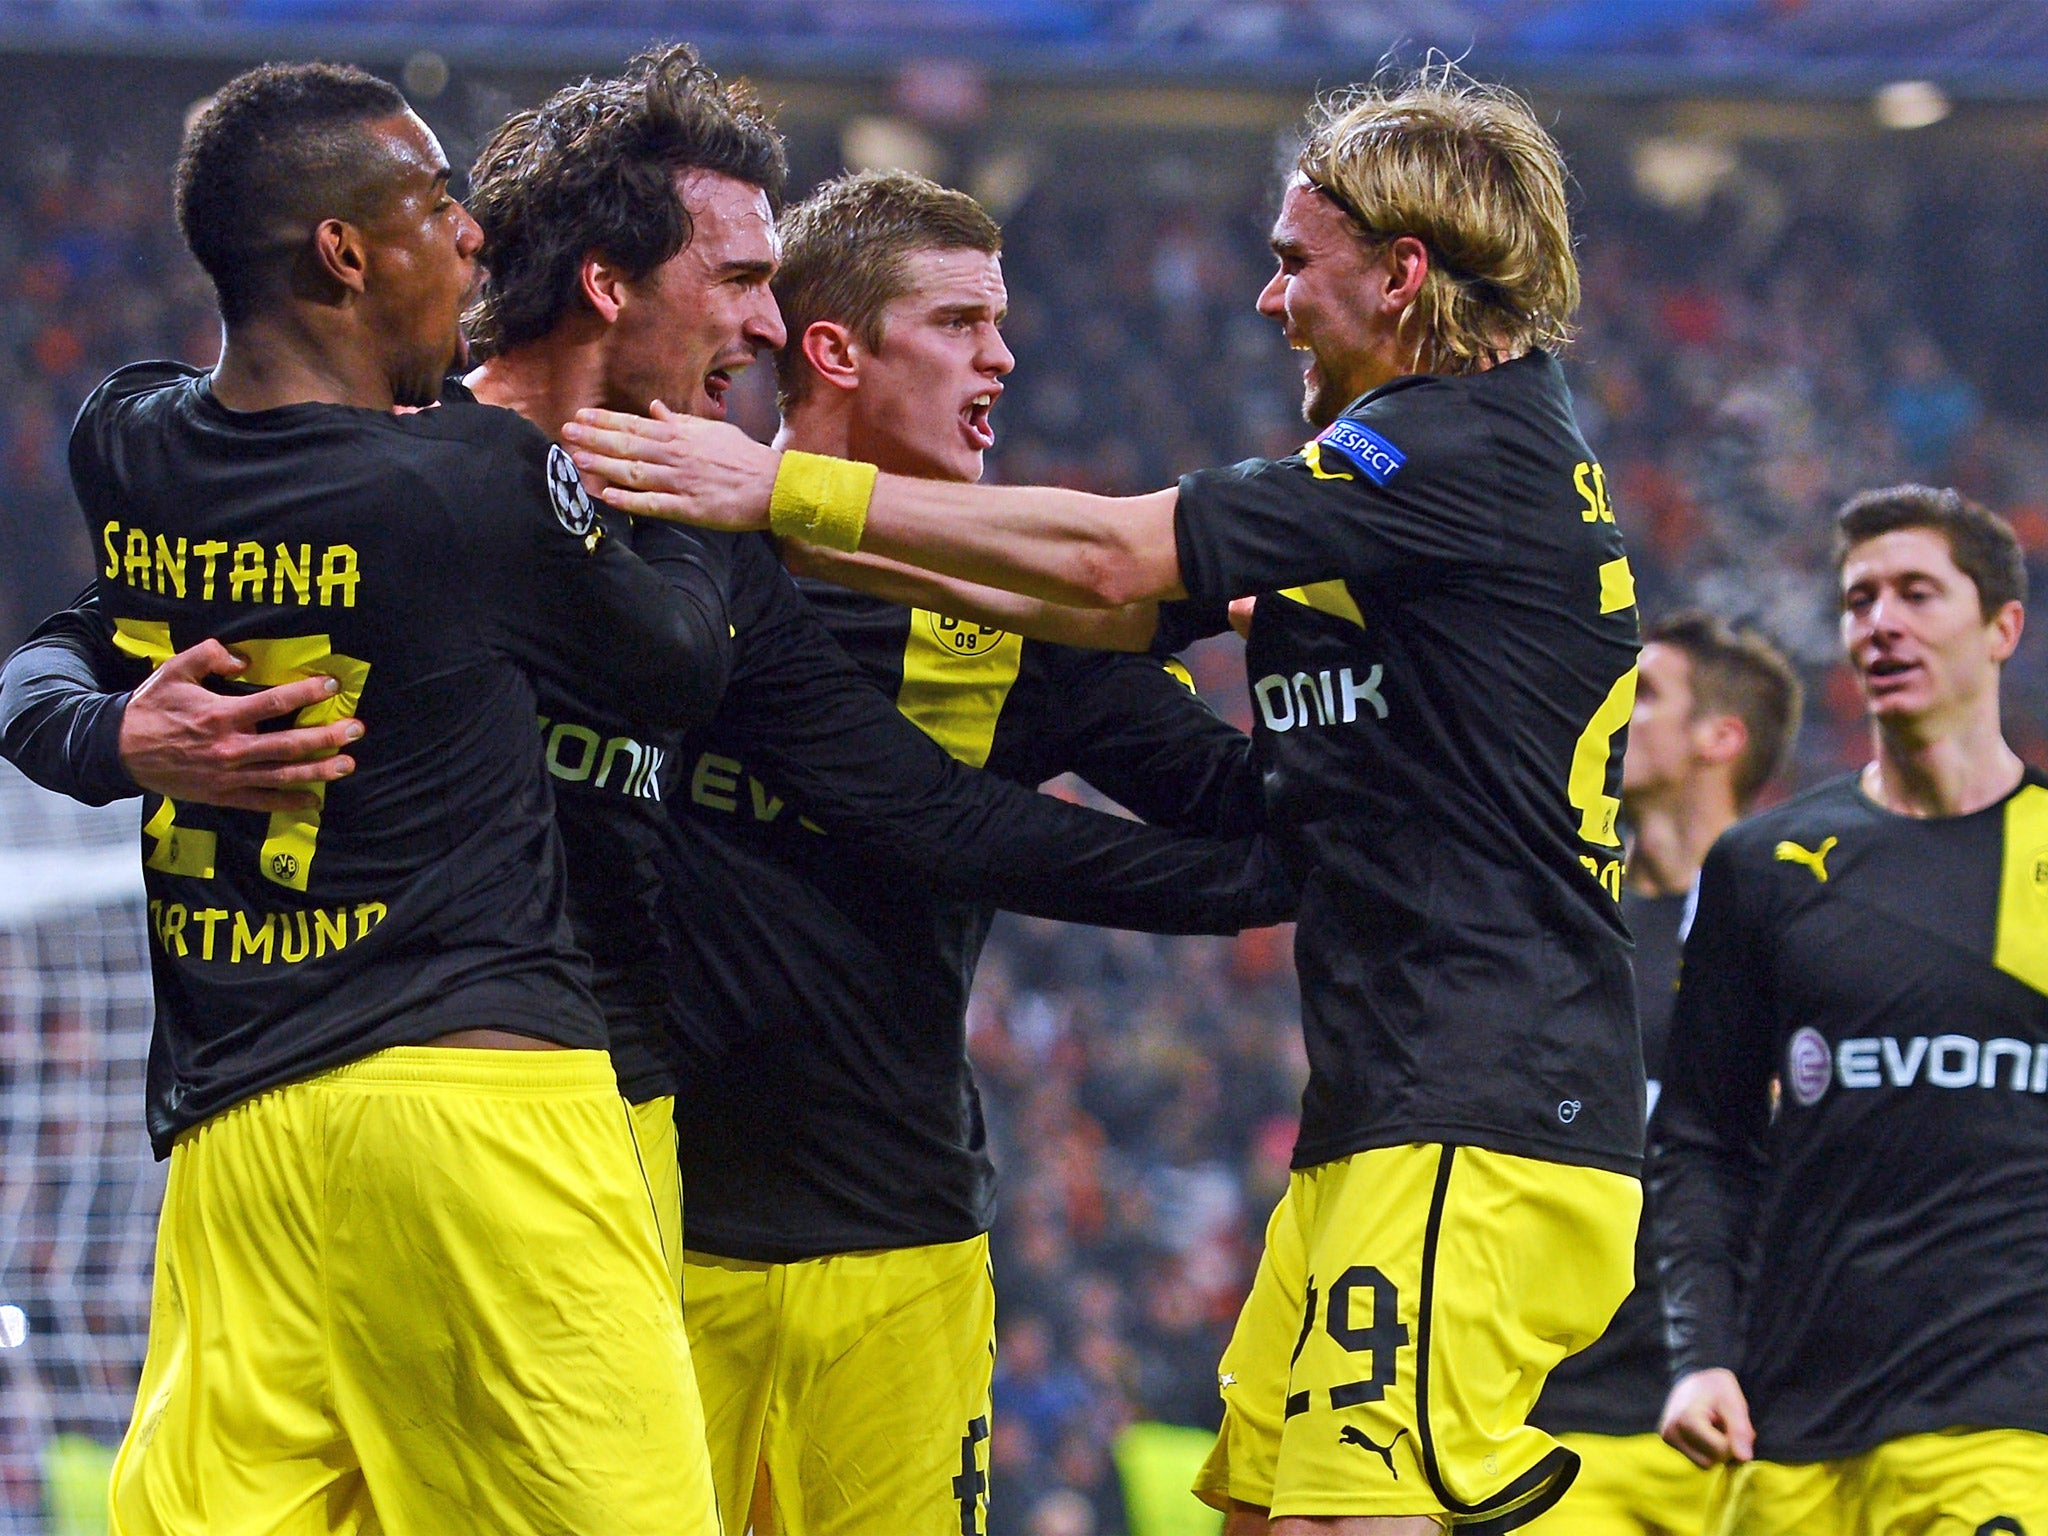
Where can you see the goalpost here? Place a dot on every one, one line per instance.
(79, 1191)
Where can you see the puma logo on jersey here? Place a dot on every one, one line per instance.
(1351, 1435)
(1814, 859)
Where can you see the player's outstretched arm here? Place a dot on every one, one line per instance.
(802, 715)
(1060, 545)
(1129, 628)
(66, 722)
(1707, 1417)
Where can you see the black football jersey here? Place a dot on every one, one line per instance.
(1872, 1259)
(431, 563)
(1442, 665)
(832, 869)
(1616, 1385)
(612, 773)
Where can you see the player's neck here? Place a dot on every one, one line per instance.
(1673, 834)
(545, 383)
(827, 424)
(274, 361)
(1950, 774)
(812, 425)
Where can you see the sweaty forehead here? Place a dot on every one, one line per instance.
(954, 276)
(413, 151)
(731, 219)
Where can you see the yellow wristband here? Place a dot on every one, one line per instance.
(821, 500)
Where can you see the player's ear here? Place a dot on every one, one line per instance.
(1720, 738)
(2007, 625)
(338, 255)
(602, 285)
(1406, 265)
(833, 353)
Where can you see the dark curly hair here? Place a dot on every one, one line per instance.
(593, 168)
(277, 149)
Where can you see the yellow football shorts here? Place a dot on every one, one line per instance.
(1409, 1304)
(1630, 1485)
(654, 1130)
(854, 1388)
(1987, 1482)
(420, 1294)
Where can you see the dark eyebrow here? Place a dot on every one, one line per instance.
(760, 269)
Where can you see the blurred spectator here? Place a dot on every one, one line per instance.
(1736, 382)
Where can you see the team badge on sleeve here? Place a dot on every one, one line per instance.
(573, 507)
(1376, 458)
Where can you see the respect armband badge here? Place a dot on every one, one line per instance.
(1364, 449)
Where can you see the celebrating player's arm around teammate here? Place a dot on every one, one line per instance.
(1716, 712)
(1857, 1284)
(839, 1301)
(407, 1275)
(1443, 663)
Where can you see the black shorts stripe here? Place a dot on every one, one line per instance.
(1535, 1491)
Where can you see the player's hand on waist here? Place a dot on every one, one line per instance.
(675, 467)
(181, 739)
(1707, 1417)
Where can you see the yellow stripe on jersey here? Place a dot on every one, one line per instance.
(1331, 597)
(956, 677)
(1617, 586)
(1312, 456)
(2021, 949)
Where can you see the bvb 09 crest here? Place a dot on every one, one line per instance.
(962, 637)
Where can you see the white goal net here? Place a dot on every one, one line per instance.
(79, 1191)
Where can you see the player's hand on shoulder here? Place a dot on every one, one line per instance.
(676, 467)
(181, 739)
(1707, 1417)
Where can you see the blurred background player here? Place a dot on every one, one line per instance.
(407, 1275)
(1715, 717)
(837, 1281)
(1857, 1283)
(1443, 675)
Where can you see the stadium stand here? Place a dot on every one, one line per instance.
(1753, 347)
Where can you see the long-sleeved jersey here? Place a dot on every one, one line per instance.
(828, 1105)
(429, 563)
(1442, 665)
(1872, 1261)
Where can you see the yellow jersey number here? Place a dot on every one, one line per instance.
(293, 837)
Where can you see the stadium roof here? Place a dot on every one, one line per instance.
(1804, 47)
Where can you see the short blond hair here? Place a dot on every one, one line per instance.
(845, 252)
(1466, 169)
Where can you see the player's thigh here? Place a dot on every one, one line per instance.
(232, 1426)
(880, 1425)
(1444, 1284)
(1769, 1498)
(508, 1354)
(654, 1133)
(1252, 1377)
(1629, 1485)
(731, 1311)
(1990, 1482)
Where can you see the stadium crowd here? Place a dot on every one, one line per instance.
(1141, 1092)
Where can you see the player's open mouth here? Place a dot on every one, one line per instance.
(1888, 670)
(975, 419)
(716, 383)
